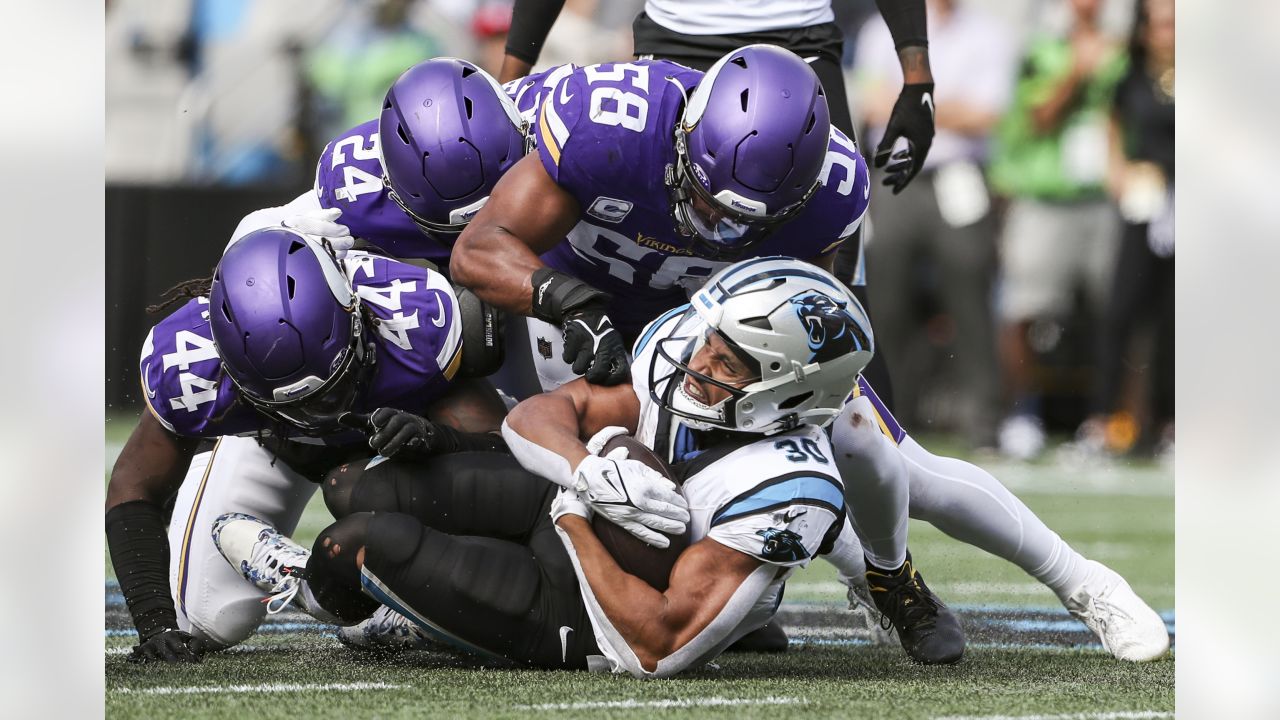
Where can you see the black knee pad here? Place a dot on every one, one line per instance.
(332, 572)
(338, 486)
(392, 538)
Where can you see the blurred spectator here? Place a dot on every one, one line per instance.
(1061, 229)
(1141, 179)
(944, 221)
(489, 26)
(148, 54)
(243, 103)
(350, 70)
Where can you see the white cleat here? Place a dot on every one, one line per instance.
(865, 618)
(385, 630)
(270, 561)
(1128, 628)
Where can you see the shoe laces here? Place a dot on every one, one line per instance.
(908, 604)
(280, 564)
(280, 600)
(1102, 612)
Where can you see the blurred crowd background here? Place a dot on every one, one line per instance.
(1021, 286)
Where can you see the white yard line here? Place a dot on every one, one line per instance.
(268, 688)
(1120, 715)
(237, 650)
(659, 704)
(836, 589)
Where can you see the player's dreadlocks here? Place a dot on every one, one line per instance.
(183, 291)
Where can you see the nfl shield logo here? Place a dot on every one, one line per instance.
(544, 348)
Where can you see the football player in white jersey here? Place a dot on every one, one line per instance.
(733, 391)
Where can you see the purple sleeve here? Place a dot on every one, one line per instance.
(417, 331)
(349, 177)
(836, 209)
(605, 124)
(528, 93)
(182, 379)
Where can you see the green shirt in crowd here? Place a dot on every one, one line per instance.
(1070, 162)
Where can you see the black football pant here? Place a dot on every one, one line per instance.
(825, 42)
(465, 544)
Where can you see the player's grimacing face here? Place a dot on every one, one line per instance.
(718, 361)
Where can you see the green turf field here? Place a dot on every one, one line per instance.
(1026, 657)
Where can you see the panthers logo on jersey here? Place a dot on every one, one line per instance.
(782, 546)
(832, 330)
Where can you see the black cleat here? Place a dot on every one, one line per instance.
(769, 639)
(929, 631)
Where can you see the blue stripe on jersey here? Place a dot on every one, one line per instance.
(802, 488)
(653, 328)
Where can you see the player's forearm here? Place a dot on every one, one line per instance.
(633, 607)
(147, 472)
(531, 22)
(914, 60)
(139, 548)
(543, 435)
(496, 265)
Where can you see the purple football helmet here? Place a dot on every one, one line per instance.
(288, 329)
(448, 132)
(749, 149)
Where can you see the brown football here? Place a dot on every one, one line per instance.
(635, 556)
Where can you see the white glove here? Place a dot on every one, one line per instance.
(323, 227)
(602, 438)
(567, 502)
(632, 496)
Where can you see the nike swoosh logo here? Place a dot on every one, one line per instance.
(928, 100)
(438, 320)
(564, 642)
(150, 393)
(564, 95)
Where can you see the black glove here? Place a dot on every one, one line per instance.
(396, 433)
(392, 431)
(912, 118)
(595, 348)
(591, 343)
(169, 646)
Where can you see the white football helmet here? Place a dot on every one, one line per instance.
(793, 322)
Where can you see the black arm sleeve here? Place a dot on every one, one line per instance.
(531, 22)
(140, 554)
(906, 21)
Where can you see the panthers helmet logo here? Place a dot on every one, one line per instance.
(832, 330)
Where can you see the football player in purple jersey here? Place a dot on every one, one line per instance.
(409, 180)
(659, 176)
(264, 359)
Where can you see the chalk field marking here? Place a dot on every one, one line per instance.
(659, 704)
(237, 650)
(1124, 715)
(241, 689)
(829, 588)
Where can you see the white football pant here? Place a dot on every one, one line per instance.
(212, 599)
